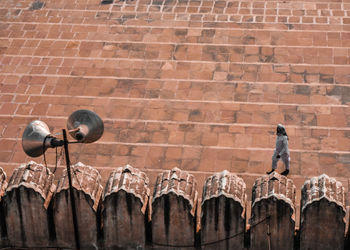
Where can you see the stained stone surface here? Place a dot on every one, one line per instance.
(223, 212)
(3, 231)
(26, 206)
(273, 205)
(3, 183)
(173, 209)
(322, 223)
(125, 212)
(87, 191)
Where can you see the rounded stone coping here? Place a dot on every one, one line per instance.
(178, 182)
(84, 178)
(225, 184)
(33, 176)
(132, 181)
(322, 187)
(274, 185)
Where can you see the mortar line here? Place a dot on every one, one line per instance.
(166, 145)
(177, 80)
(177, 100)
(182, 122)
(164, 43)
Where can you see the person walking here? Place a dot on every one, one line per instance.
(281, 150)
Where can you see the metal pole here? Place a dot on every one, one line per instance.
(72, 200)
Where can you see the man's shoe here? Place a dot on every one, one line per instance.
(285, 172)
(270, 171)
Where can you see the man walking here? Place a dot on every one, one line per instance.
(281, 150)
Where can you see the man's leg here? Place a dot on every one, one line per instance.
(274, 163)
(286, 161)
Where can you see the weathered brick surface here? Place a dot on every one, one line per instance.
(125, 211)
(3, 186)
(322, 206)
(273, 213)
(87, 191)
(185, 83)
(26, 203)
(223, 212)
(174, 206)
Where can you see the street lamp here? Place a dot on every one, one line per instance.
(83, 125)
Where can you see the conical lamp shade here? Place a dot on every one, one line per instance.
(33, 138)
(85, 126)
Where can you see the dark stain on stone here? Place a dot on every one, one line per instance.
(157, 2)
(217, 213)
(290, 26)
(208, 33)
(288, 117)
(228, 216)
(20, 212)
(239, 50)
(107, 1)
(169, 2)
(195, 112)
(37, 5)
(181, 32)
(326, 78)
(302, 90)
(186, 127)
(166, 214)
(129, 202)
(248, 40)
(3, 227)
(50, 223)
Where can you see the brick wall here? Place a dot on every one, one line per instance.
(195, 84)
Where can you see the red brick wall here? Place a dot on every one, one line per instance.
(199, 85)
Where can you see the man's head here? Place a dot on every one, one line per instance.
(280, 130)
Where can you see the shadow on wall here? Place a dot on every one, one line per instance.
(35, 213)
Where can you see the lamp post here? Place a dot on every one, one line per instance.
(83, 125)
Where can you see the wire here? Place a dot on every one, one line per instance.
(213, 242)
(44, 150)
(58, 159)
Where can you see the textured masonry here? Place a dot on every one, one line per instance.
(322, 214)
(87, 190)
(26, 202)
(273, 205)
(3, 186)
(174, 209)
(30, 218)
(125, 213)
(223, 212)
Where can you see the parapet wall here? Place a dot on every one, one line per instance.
(37, 213)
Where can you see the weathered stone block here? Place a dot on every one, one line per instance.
(124, 209)
(273, 205)
(173, 210)
(322, 224)
(223, 212)
(26, 201)
(87, 191)
(3, 230)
